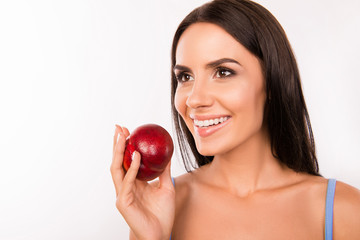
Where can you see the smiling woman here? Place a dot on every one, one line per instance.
(239, 112)
(260, 42)
(223, 83)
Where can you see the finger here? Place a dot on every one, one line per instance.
(130, 176)
(117, 171)
(165, 177)
(115, 137)
(117, 130)
(126, 131)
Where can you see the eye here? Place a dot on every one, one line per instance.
(223, 72)
(183, 77)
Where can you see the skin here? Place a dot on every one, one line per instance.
(245, 193)
(147, 209)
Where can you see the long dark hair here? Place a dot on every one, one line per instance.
(286, 115)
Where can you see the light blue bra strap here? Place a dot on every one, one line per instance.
(329, 209)
(173, 181)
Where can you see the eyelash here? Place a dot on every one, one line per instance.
(220, 69)
(180, 75)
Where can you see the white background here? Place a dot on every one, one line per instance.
(71, 69)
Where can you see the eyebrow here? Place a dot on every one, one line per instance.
(209, 65)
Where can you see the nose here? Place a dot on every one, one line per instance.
(200, 95)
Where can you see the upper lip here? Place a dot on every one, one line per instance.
(207, 117)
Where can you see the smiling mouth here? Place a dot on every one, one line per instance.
(206, 127)
(209, 122)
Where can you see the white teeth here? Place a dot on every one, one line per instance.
(210, 122)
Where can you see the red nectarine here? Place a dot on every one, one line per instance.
(156, 147)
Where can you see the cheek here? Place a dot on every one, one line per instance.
(236, 97)
(247, 104)
(180, 102)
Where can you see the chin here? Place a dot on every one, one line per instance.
(207, 150)
(207, 153)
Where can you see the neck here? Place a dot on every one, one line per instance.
(248, 168)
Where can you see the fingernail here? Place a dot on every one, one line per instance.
(133, 155)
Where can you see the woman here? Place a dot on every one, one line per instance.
(239, 111)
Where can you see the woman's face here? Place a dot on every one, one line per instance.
(221, 89)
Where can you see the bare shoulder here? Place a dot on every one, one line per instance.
(347, 194)
(346, 212)
(182, 192)
(346, 218)
(183, 184)
(184, 187)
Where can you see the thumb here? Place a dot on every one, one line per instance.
(165, 177)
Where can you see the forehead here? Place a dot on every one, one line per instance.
(204, 42)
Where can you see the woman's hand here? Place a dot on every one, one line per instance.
(148, 209)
